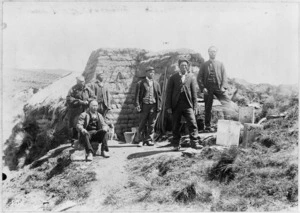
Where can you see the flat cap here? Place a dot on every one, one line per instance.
(149, 68)
(80, 78)
(99, 74)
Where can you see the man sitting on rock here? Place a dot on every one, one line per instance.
(92, 128)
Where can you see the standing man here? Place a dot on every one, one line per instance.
(212, 80)
(77, 102)
(182, 101)
(102, 94)
(92, 128)
(148, 104)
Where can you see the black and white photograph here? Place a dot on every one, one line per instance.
(150, 106)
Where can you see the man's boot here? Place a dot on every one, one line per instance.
(105, 154)
(89, 156)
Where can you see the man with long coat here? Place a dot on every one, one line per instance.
(102, 94)
(148, 104)
(77, 102)
(182, 101)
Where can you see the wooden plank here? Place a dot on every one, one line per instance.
(228, 133)
(250, 132)
(246, 115)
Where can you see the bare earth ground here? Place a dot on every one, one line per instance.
(111, 178)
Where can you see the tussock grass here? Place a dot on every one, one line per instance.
(60, 179)
(261, 178)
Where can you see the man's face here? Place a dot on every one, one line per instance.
(93, 106)
(80, 83)
(184, 67)
(100, 77)
(150, 74)
(212, 52)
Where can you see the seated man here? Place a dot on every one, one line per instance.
(92, 128)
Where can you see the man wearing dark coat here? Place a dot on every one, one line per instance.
(148, 104)
(182, 101)
(92, 128)
(77, 102)
(212, 80)
(102, 94)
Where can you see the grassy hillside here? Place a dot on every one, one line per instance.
(263, 177)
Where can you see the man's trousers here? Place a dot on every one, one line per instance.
(148, 117)
(229, 106)
(183, 109)
(99, 136)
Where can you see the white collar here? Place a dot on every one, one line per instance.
(148, 79)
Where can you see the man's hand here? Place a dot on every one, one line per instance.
(85, 132)
(105, 128)
(83, 102)
(138, 108)
(158, 110)
(169, 111)
(205, 92)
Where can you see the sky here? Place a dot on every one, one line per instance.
(257, 42)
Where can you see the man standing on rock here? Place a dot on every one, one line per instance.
(212, 80)
(148, 104)
(77, 102)
(102, 94)
(182, 101)
(92, 128)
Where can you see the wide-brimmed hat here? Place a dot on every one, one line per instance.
(149, 68)
(183, 60)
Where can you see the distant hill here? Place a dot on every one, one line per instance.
(20, 80)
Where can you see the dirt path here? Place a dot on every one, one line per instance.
(111, 175)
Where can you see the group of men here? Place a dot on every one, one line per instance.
(181, 99)
(87, 108)
(88, 104)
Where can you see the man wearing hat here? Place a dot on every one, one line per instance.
(212, 80)
(148, 104)
(77, 102)
(102, 94)
(182, 101)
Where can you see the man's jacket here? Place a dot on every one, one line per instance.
(140, 92)
(95, 87)
(174, 90)
(84, 120)
(76, 95)
(204, 73)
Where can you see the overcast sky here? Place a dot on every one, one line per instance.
(257, 42)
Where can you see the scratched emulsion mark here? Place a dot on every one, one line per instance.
(4, 176)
